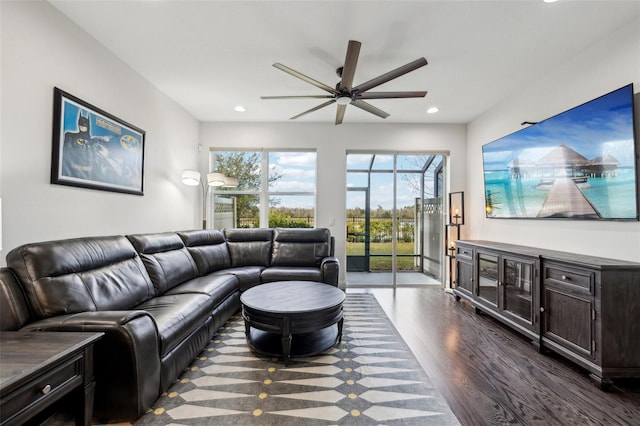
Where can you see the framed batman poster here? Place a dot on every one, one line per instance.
(94, 149)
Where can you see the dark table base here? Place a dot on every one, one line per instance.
(306, 344)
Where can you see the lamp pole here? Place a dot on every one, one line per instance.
(205, 192)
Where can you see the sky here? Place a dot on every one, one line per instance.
(382, 183)
(603, 126)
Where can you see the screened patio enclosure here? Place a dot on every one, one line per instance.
(394, 218)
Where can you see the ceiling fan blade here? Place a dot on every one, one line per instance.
(369, 108)
(349, 68)
(299, 97)
(411, 66)
(305, 78)
(340, 114)
(313, 109)
(390, 95)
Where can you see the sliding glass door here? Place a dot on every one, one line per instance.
(394, 218)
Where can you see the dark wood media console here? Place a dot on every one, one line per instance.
(585, 308)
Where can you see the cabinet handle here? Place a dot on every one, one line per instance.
(564, 277)
(541, 309)
(46, 389)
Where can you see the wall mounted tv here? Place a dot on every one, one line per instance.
(580, 164)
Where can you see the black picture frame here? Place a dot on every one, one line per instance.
(94, 149)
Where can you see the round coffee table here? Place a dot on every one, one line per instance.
(303, 311)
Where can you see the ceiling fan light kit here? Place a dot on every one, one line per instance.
(344, 94)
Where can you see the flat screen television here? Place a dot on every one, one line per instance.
(580, 164)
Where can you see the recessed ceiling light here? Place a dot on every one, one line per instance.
(549, 1)
(432, 110)
(240, 108)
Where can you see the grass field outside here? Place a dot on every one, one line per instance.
(384, 263)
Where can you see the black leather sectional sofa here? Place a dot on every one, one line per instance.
(159, 298)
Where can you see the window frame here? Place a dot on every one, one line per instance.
(264, 193)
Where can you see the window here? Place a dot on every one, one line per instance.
(288, 201)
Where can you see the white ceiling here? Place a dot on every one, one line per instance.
(210, 56)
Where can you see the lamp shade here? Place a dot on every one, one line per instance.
(215, 179)
(230, 182)
(191, 177)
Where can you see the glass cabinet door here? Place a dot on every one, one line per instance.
(518, 283)
(488, 277)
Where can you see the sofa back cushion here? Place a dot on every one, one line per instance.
(79, 275)
(14, 311)
(300, 247)
(208, 249)
(166, 258)
(249, 247)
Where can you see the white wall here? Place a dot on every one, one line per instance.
(331, 143)
(41, 49)
(605, 66)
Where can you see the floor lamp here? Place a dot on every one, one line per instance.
(192, 178)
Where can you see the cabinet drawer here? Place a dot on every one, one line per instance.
(44, 388)
(579, 279)
(464, 252)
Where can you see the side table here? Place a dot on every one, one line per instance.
(39, 368)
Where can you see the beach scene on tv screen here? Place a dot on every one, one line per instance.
(579, 164)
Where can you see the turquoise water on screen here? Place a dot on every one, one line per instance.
(613, 197)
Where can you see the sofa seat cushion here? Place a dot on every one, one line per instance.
(290, 273)
(218, 287)
(248, 276)
(177, 316)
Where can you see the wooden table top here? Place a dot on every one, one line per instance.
(292, 297)
(24, 353)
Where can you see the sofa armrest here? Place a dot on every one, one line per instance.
(126, 359)
(14, 311)
(329, 270)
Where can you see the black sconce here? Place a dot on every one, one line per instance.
(456, 208)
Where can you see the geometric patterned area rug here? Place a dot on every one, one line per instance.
(370, 378)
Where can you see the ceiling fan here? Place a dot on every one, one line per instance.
(344, 94)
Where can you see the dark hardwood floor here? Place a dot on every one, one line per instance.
(491, 375)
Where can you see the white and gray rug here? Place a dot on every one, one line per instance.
(370, 378)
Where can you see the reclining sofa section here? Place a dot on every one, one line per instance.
(159, 298)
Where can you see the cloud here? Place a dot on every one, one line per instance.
(300, 159)
(292, 186)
